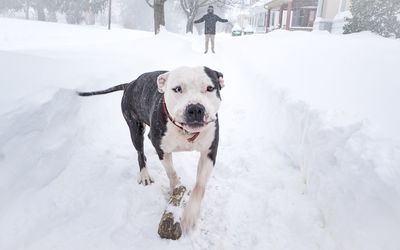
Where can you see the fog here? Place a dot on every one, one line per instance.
(131, 14)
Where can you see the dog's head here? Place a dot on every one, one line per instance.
(192, 95)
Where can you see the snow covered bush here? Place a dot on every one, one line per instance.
(378, 16)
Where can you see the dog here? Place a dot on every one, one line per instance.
(181, 108)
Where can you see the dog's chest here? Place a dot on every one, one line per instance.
(176, 140)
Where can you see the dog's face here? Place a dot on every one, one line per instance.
(192, 95)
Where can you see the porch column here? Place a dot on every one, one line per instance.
(268, 17)
(320, 8)
(280, 16)
(342, 6)
(288, 15)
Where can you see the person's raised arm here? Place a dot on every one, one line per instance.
(222, 20)
(200, 20)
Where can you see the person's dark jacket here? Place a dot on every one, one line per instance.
(210, 21)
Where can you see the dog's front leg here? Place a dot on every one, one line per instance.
(169, 168)
(192, 210)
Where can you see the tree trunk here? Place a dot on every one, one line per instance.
(189, 22)
(159, 16)
(189, 26)
(26, 9)
(162, 19)
(41, 16)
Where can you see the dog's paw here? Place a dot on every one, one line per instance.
(190, 215)
(144, 177)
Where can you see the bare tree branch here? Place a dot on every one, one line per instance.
(184, 7)
(205, 2)
(148, 3)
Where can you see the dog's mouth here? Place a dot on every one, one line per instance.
(194, 127)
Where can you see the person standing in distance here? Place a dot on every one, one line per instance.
(210, 20)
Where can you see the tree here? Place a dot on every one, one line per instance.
(15, 5)
(379, 16)
(75, 10)
(26, 5)
(52, 6)
(37, 5)
(159, 14)
(191, 7)
(10, 5)
(46, 10)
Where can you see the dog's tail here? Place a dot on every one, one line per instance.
(106, 91)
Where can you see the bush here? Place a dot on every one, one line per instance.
(379, 16)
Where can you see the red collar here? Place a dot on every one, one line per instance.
(193, 135)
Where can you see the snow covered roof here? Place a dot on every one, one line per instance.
(276, 3)
(270, 3)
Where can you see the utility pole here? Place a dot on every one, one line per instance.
(109, 14)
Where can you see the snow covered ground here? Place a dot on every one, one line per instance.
(309, 155)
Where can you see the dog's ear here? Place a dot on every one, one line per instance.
(216, 76)
(220, 79)
(161, 82)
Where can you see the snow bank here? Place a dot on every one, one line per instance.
(309, 155)
(39, 37)
(352, 177)
(349, 155)
(350, 77)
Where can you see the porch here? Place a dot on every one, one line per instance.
(290, 14)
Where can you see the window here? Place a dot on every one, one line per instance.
(273, 19)
(261, 20)
(303, 17)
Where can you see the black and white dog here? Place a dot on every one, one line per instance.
(180, 107)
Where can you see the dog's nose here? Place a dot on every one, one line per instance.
(195, 113)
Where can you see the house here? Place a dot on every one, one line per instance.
(284, 14)
(331, 15)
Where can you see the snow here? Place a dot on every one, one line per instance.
(309, 149)
(341, 16)
(237, 27)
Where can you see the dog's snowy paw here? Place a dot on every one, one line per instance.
(190, 216)
(144, 177)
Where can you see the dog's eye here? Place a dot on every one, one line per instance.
(210, 88)
(177, 89)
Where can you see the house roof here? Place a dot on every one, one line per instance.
(275, 3)
(264, 4)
